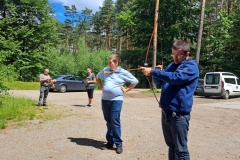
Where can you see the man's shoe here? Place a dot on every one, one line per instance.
(39, 104)
(44, 104)
(119, 149)
(107, 146)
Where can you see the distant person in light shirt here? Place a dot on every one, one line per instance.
(45, 81)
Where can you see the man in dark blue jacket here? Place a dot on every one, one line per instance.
(178, 82)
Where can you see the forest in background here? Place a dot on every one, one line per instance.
(31, 38)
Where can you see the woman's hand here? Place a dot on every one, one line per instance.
(123, 89)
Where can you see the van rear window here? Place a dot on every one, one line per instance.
(212, 78)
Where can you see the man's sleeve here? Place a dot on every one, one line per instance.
(41, 76)
(157, 82)
(182, 75)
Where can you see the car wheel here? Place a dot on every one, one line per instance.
(51, 90)
(226, 95)
(63, 88)
(206, 96)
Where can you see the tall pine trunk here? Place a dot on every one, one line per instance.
(200, 32)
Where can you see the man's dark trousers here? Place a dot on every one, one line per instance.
(175, 131)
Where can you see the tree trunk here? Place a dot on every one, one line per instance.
(229, 7)
(226, 3)
(126, 40)
(108, 38)
(66, 39)
(221, 5)
(74, 44)
(116, 45)
(120, 44)
(200, 32)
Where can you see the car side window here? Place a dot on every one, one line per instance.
(238, 81)
(230, 80)
(78, 79)
(69, 78)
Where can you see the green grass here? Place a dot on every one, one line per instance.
(150, 91)
(17, 110)
(18, 85)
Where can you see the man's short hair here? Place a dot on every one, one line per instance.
(180, 44)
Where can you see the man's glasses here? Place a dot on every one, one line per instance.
(178, 56)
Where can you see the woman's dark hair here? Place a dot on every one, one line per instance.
(90, 69)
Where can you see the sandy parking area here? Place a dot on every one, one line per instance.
(214, 130)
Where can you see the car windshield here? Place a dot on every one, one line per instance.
(212, 78)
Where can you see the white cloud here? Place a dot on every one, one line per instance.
(81, 4)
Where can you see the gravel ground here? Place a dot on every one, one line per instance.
(214, 131)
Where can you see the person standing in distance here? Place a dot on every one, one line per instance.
(113, 89)
(178, 82)
(44, 87)
(90, 80)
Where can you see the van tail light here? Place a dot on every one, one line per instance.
(222, 84)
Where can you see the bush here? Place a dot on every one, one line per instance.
(3, 90)
(8, 73)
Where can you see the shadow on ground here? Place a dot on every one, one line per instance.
(87, 142)
(77, 105)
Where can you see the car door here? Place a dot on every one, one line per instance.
(231, 85)
(69, 81)
(212, 83)
(79, 83)
(238, 87)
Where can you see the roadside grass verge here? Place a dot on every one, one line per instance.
(18, 111)
(157, 91)
(18, 85)
(15, 109)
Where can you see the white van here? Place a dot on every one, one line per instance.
(223, 84)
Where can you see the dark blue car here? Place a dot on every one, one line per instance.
(199, 89)
(68, 83)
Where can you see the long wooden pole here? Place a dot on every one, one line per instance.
(155, 34)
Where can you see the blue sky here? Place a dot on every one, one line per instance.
(80, 5)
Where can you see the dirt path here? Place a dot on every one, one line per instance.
(214, 132)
